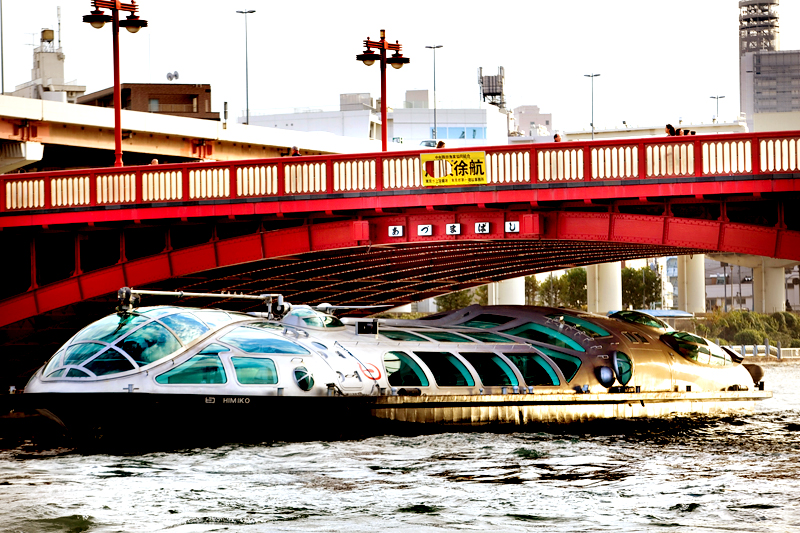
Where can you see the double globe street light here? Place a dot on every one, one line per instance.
(132, 23)
(369, 57)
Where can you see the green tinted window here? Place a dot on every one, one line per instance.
(75, 373)
(447, 369)
(54, 363)
(593, 330)
(491, 368)
(78, 353)
(445, 336)
(487, 321)
(403, 371)
(213, 318)
(185, 326)
(110, 362)
(259, 340)
(255, 371)
(149, 344)
(623, 367)
(534, 369)
(399, 335)
(110, 328)
(205, 367)
(635, 317)
(568, 364)
(486, 336)
(539, 333)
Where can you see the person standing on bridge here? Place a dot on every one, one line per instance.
(440, 144)
(296, 151)
(557, 138)
(670, 130)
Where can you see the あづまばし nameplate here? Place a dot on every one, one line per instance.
(453, 168)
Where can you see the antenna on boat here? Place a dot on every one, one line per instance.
(130, 298)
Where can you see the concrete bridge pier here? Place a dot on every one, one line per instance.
(604, 287)
(769, 287)
(692, 283)
(507, 292)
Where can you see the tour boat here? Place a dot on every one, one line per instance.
(151, 372)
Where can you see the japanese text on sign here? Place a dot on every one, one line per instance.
(447, 169)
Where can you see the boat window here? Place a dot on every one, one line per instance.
(697, 348)
(185, 326)
(400, 335)
(486, 336)
(623, 367)
(149, 344)
(303, 378)
(445, 336)
(57, 374)
(110, 328)
(257, 340)
(255, 370)
(54, 363)
(213, 318)
(635, 317)
(534, 369)
(447, 369)
(78, 353)
(641, 338)
(315, 319)
(154, 312)
(487, 321)
(537, 332)
(110, 362)
(205, 367)
(491, 368)
(403, 371)
(630, 337)
(76, 373)
(593, 330)
(568, 364)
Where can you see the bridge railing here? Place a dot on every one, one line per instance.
(541, 163)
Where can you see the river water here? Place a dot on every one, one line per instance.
(731, 474)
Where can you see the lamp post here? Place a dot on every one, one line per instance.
(246, 68)
(592, 76)
(717, 99)
(435, 129)
(396, 60)
(133, 24)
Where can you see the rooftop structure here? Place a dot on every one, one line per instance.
(47, 75)
(178, 99)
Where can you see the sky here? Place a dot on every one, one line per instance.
(659, 61)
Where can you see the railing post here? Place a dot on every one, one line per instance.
(234, 186)
(642, 160)
(184, 180)
(587, 163)
(698, 159)
(534, 167)
(379, 172)
(755, 152)
(282, 177)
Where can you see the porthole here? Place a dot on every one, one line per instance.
(303, 378)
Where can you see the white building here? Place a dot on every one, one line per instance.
(47, 75)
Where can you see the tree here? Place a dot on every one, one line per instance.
(531, 288)
(454, 300)
(550, 291)
(480, 295)
(640, 287)
(573, 288)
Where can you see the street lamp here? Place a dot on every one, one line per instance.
(434, 47)
(246, 68)
(133, 24)
(717, 99)
(397, 60)
(592, 76)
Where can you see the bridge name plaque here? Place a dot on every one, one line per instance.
(441, 169)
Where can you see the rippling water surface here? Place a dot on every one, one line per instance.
(731, 474)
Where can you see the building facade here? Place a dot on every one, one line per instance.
(47, 75)
(177, 99)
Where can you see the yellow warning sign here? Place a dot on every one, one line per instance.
(454, 168)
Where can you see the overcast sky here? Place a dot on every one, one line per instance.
(659, 60)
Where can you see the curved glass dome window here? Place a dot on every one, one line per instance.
(149, 343)
(111, 328)
(258, 340)
(534, 369)
(312, 318)
(213, 318)
(697, 348)
(403, 371)
(584, 326)
(400, 335)
(623, 367)
(539, 333)
(636, 317)
(109, 362)
(203, 368)
(186, 326)
(491, 368)
(447, 369)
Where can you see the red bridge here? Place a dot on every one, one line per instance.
(317, 229)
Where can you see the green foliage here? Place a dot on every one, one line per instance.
(737, 327)
(550, 291)
(531, 290)
(573, 288)
(640, 287)
(454, 300)
(480, 295)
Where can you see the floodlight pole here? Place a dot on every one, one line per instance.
(435, 128)
(246, 67)
(592, 76)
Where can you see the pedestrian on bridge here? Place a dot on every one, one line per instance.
(296, 151)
